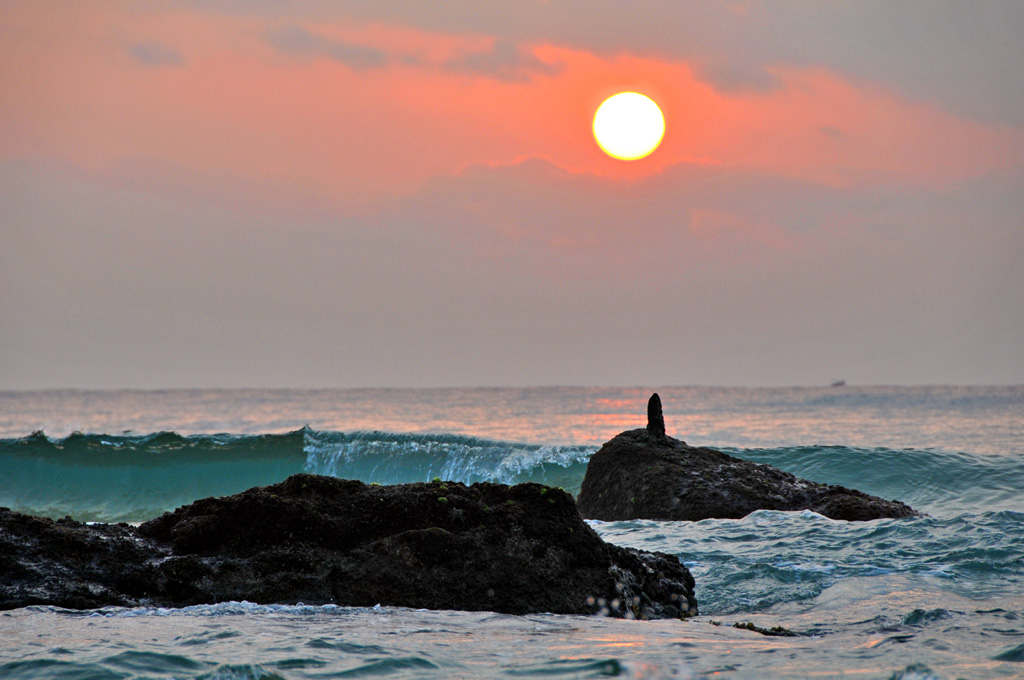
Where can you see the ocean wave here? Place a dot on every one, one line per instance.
(389, 458)
(936, 482)
(132, 478)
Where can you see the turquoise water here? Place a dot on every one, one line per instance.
(940, 596)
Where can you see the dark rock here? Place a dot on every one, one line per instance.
(70, 564)
(655, 418)
(313, 539)
(641, 475)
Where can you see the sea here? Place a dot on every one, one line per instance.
(934, 597)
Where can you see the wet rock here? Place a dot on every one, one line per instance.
(644, 474)
(70, 564)
(314, 539)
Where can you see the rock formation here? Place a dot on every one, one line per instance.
(644, 474)
(314, 539)
(655, 418)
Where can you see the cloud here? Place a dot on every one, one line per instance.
(513, 275)
(155, 54)
(966, 55)
(582, 226)
(729, 74)
(296, 40)
(739, 276)
(505, 61)
(832, 132)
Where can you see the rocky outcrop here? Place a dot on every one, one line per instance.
(314, 539)
(644, 474)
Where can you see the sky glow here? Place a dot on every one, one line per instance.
(337, 194)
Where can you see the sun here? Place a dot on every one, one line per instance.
(628, 126)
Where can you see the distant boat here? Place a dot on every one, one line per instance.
(838, 383)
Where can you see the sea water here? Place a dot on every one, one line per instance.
(940, 596)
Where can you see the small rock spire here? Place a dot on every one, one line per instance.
(655, 419)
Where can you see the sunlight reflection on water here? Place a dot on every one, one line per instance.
(972, 419)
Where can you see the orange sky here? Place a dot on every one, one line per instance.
(235, 102)
(352, 120)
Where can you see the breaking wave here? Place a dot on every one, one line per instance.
(132, 478)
